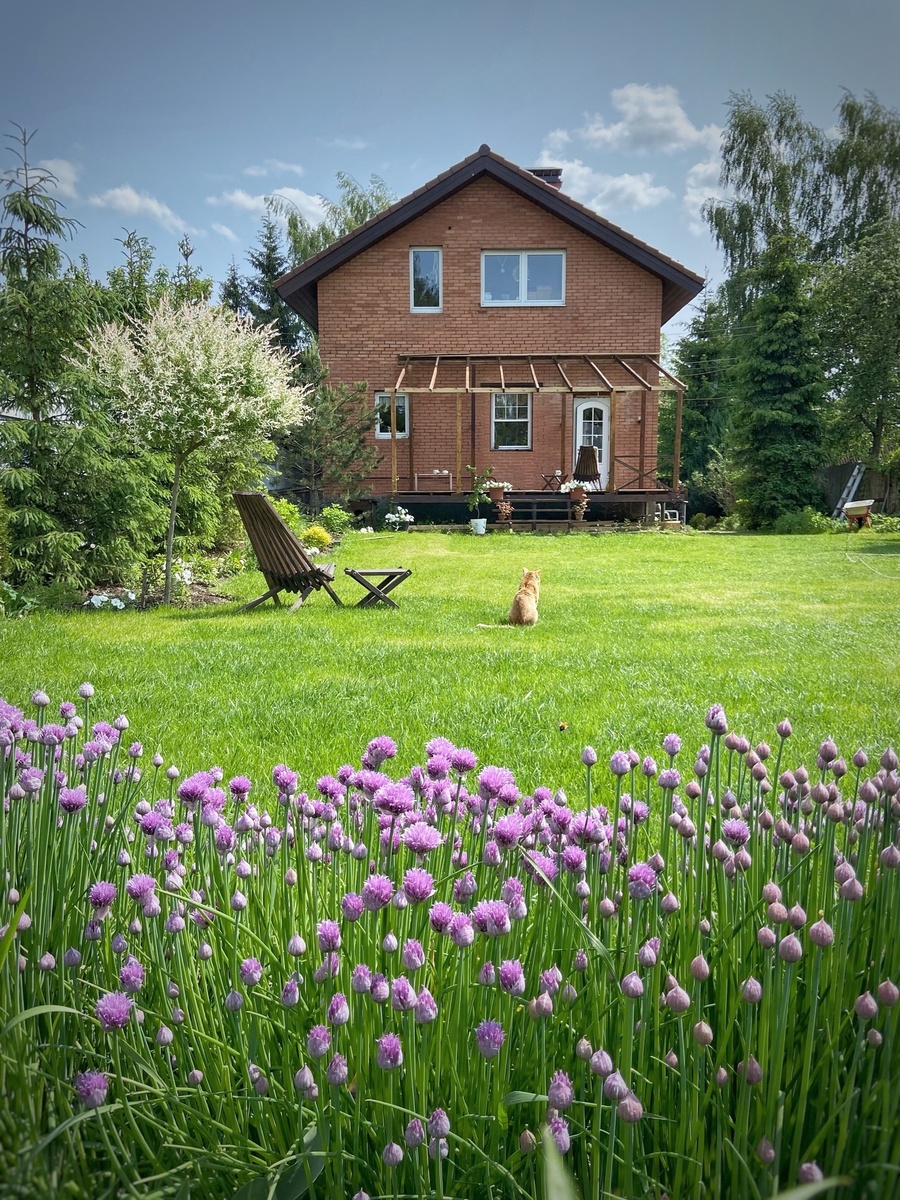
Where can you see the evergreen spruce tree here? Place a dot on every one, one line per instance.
(269, 262)
(776, 432)
(233, 292)
(80, 507)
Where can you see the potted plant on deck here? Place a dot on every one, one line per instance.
(574, 488)
(477, 496)
(497, 490)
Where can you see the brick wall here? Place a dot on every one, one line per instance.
(612, 306)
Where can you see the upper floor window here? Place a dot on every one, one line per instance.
(425, 280)
(511, 421)
(523, 277)
(383, 414)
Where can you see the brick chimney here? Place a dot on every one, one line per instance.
(549, 175)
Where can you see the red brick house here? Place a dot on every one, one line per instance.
(499, 322)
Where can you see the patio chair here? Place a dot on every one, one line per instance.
(287, 567)
(282, 558)
(587, 468)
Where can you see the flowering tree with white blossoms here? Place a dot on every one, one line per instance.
(191, 377)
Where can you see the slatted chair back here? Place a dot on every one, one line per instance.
(587, 466)
(282, 558)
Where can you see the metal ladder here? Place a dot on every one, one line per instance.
(850, 488)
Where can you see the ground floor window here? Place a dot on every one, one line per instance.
(383, 414)
(511, 421)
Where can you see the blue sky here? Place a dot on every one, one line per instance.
(170, 117)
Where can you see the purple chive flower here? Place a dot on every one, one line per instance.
(73, 800)
(91, 1088)
(462, 932)
(251, 971)
(671, 743)
(131, 976)
(141, 888)
(620, 763)
(101, 897)
(440, 915)
(589, 756)
(412, 955)
(351, 906)
(512, 977)
(361, 979)
(716, 721)
(601, 1063)
(329, 936)
(642, 881)
(392, 1155)
(415, 1133)
(234, 1001)
(377, 892)
(438, 1124)
(338, 1010)
(560, 1093)
(462, 761)
(240, 788)
(318, 1041)
(736, 831)
(290, 993)
(380, 989)
(421, 838)
(336, 1072)
(390, 1052)
(489, 1036)
(669, 779)
(491, 917)
(559, 1130)
(403, 995)
(426, 1009)
(418, 884)
(113, 1011)
(632, 986)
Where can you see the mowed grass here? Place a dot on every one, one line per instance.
(638, 635)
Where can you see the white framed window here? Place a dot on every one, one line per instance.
(425, 279)
(523, 277)
(383, 414)
(510, 420)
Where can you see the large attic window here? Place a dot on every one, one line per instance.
(425, 279)
(522, 277)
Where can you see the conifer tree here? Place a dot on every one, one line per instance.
(776, 430)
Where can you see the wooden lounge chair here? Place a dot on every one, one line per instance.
(282, 558)
(287, 567)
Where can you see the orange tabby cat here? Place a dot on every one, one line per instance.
(524, 606)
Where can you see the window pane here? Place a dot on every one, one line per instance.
(501, 277)
(592, 427)
(512, 424)
(511, 434)
(426, 278)
(545, 277)
(383, 414)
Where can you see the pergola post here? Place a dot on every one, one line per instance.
(394, 479)
(676, 444)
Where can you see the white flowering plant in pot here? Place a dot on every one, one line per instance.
(399, 518)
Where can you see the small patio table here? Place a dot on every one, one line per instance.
(552, 483)
(378, 583)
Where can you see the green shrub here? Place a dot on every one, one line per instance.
(884, 524)
(290, 514)
(702, 521)
(335, 519)
(316, 537)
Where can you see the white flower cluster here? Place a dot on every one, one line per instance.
(100, 600)
(398, 518)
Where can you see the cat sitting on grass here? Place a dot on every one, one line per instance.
(524, 609)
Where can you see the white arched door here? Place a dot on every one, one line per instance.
(592, 429)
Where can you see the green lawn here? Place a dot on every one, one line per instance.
(638, 634)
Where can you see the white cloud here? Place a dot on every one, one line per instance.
(270, 166)
(139, 204)
(355, 143)
(225, 232)
(701, 184)
(652, 120)
(66, 174)
(556, 140)
(310, 206)
(600, 191)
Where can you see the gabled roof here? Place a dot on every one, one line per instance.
(299, 288)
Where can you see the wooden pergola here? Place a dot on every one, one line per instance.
(465, 370)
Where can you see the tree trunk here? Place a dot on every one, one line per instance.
(170, 537)
(877, 436)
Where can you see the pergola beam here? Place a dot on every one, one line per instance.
(662, 370)
(643, 382)
(590, 362)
